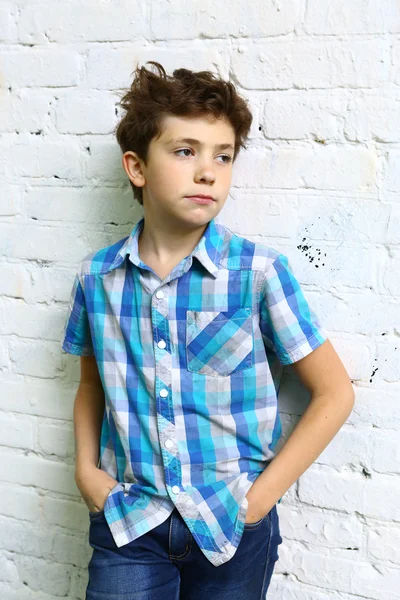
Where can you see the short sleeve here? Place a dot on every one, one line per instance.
(288, 324)
(77, 337)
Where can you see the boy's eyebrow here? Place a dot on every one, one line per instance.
(197, 143)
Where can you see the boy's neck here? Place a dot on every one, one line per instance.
(163, 244)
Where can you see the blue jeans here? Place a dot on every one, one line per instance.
(166, 563)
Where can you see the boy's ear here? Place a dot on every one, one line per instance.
(133, 168)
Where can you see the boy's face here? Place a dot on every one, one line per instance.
(178, 169)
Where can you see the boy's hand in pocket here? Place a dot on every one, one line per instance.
(94, 485)
(256, 509)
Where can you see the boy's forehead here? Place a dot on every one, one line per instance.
(200, 127)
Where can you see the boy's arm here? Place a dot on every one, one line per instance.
(88, 414)
(332, 400)
(93, 483)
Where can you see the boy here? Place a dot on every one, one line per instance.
(183, 329)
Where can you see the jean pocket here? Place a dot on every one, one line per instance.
(219, 343)
(97, 513)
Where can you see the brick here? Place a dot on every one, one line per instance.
(44, 575)
(33, 321)
(104, 152)
(56, 439)
(344, 575)
(27, 110)
(8, 570)
(71, 549)
(37, 243)
(26, 539)
(293, 115)
(385, 451)
(298, 167)
(347, 447)
(8, 17)
(392, 231)
(36, 358)
(38, 24)
(37, 156)
(72, 515)
(32, 470)
(357, 17)
(238, 211)
(311, 64)
(19, 591)
(80, 205)
(44, 399)
(75, 114)
(19, 502)
(17, 431)
(376, 410)
(49, 66)
(320, 528)
(372, 117)
(392, 176)
(9, 200)
(383, 544)
(256, 20)
(286, 590)
(350, 492)
(79, 583)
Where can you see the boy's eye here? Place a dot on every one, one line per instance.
(183, 150)
(226, 156)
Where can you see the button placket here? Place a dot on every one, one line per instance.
(163, 369)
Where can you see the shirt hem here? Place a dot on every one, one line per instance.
(71, 348)
(304, 349)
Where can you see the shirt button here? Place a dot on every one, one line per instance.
(169, 443)
(161, 344)
(164, 393)
(159, 294)
(175, 489)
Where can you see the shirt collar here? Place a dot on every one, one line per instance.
(208, 250)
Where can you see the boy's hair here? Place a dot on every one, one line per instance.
(152, 96)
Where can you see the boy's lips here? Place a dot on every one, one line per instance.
(201, 199)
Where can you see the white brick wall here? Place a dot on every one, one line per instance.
(320, 182)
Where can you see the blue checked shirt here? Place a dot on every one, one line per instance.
(191, 368)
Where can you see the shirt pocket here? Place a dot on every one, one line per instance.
(219, 343)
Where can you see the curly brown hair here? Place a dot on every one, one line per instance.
(151, 96)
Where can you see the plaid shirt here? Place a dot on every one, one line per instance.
(191, 368)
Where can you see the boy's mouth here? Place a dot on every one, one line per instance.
(201, 199)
